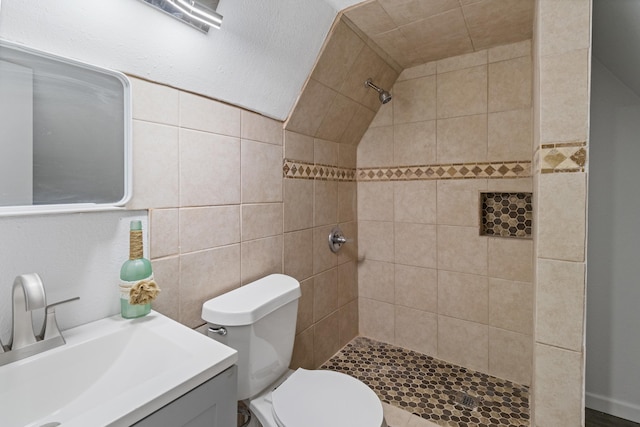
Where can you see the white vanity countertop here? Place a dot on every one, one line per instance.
(111, 372)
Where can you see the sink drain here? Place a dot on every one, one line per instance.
(466, 400)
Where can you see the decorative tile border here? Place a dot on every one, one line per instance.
(304, 170)
(506, 215)
(561, 158)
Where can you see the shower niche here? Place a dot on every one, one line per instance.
(506, 215)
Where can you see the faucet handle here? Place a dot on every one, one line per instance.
(50, 328)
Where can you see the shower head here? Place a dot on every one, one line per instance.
(383, 95)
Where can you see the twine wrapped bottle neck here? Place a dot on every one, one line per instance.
(135, 244)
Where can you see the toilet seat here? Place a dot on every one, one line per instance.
(325, 398)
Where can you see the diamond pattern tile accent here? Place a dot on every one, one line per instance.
(430, 388)
(506, 215)
(568, 157)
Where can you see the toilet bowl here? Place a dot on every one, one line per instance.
(258, 320)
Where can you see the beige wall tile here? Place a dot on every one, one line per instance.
(260, 258)
(368, 64)
(462, 92)
(153, 102)
(459, 201)
(261, 220)
(510, 135)
(323, 258)
(166, 272)
(415, 201)
(511, 259)
(564, 26)
(558, 393)
(371, 18)
(325, 208)
(347, 201)
(414, 100)
(325, 294)
(416, 330)
(510, 51)
(375, 201)
(561, 216)
(163, 232)
(205, 275)
(337, 118)
(325, 152)
(377, 319)
(347, 156)
(463, 343)
(155, 166)
(298, 204)
(338, 55)
(326, 339)
(357, 126)
(200, 113)
(347, 283)
(564, 96)
(373, 240)
(384, 116)
(493, 22)
(414, 143)
(462, 139)
(261, 170)
(376, 280)
(260, 128)
(209, 173)
(209, 227)
(511, 185)
(395, 416)
(415, 244)
(416, 421)
(348, 322)
(416, 287)
(349, 251)
(305, 305)
(510, 84)
(309, 111)
(511, 305)
(298, 146)
(298, 254)
(461, 249)
(303, 350)
(463, 296)
(560, 303)
(412, 10)
(510, 356)
(376, 147)
(460, 62)
(422, 70)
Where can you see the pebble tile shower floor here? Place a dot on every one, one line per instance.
(431, 388)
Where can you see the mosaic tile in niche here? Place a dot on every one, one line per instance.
(506, 215)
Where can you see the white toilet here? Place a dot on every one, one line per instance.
(259, 321)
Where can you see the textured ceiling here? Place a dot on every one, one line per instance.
(413, 32)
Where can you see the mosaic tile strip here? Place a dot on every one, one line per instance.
(428, 387)
(559, 158)
(513, 169)
(506, 215)
(303, 170)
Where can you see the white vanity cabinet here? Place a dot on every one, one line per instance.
(212, 404)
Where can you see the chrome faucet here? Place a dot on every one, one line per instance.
(28, 295)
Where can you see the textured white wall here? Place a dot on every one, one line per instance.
(258, 60)
(613, 288)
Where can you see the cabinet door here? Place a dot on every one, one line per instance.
(212, 404)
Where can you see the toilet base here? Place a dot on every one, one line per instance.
(260, 406)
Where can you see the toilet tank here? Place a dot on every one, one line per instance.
(260, 321)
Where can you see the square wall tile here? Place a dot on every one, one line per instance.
(347, 283)
(204, 114)
(377, 319)
(302, 356)
(414, 201)
(305, 306)
(415, 244)
(166, 272)
(416, 330)
(325, 152)
(414, 100)
(298, 254)
(492, 22)
(260, 258)
(376, 147)
(461, 249)
(375, 201)
(564, 26)
(298, 204)
(260, 128)
(325, 205)
(153, 102)
(298, 147)
(325, 294)
(261, 170)
(209, 173)
(376, 280)
(261, 220)
(463, 296)
(326, 339)
(510, 356)
(422, 70)
(209, 227)
(511, 259)
(323, 258)
(374, 240)
(337, 118)
(460, 62)
(309, 111)
(357, 126)
(416, 287)
(560, 310)
(462, 139)
(510, 135)
(463, 343)
(348, 322)
(349, 251)
(347, 201)
(510, 84)
(163, 232)
(414, 143)
(459, 201)
(511, 305)
(347, 156)
(510, 51)
(462, 92)
(155, 166)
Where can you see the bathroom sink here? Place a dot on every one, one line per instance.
(111, 372)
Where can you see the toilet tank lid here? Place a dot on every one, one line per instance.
(249, 303)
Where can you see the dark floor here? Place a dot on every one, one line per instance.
(600, 419)
(431, 388)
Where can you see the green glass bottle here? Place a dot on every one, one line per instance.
(133, 271)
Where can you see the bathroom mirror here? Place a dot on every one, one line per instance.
(65, 134)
